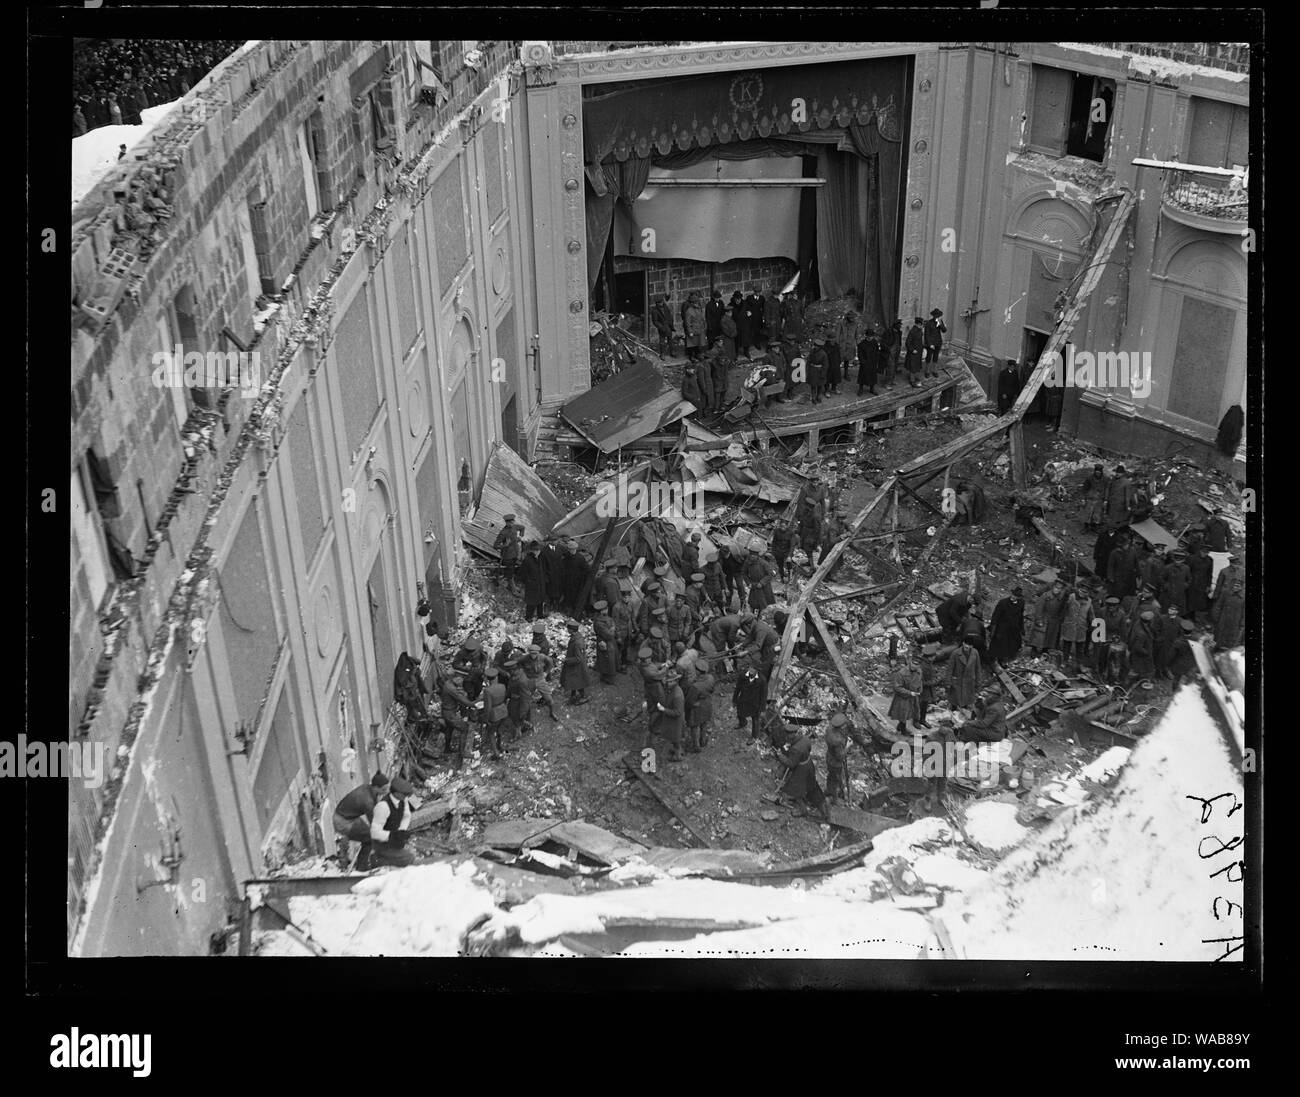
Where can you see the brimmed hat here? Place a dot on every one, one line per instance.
(572, 625)
(697, 536)
(661, 570)
(839, 720)
(514, 660)
(936, 312)
(1112, 601)
(818, 341)
(659, 611)
(656, 632)
(510, 518)
(491, 672)
(1147, 615)
(539, 626)
(755, 352)
(644, 653)
(1186, 625)
(697, 577)
(401, 786)
(600, 604)
(472, 643)
(535, 648)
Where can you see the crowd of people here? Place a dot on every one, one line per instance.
(768, 335)
(696, 629)
(114, 80)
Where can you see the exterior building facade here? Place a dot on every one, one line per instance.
(389, 239)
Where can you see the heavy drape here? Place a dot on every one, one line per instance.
(852, 107)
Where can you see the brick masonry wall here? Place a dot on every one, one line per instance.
(1231, 56)
(680, 277)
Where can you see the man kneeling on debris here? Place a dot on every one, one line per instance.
(990, 723)
(800, 782)
(389, 826)
(353, 815)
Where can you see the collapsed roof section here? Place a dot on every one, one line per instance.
(510, 486)
(629, 405)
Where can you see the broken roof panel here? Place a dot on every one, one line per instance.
(511, 487)
(633, 403)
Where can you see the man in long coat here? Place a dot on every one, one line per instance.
(1045, 627)
(1174, 581)
(748, 317)
(608, 656)
(868, 362)
(800, 782)
(772, 315)
(935, 329)
(749, 696)
(963, 675)
(1121, 567)
(693, 325)
(573, 671)
(1229, 617)
(1007, 627)
(672, 714)
(1008, 386)
(1199, 569)
(532, 573)
(699, 706)
(661, 316)
(758, 574)
(1076, 622)
(913, 347)
(714, 311)
(907, 682)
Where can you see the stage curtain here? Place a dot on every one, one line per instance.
(621, 183)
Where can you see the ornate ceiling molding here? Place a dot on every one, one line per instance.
(713, 57)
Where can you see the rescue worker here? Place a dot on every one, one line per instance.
(714, 584)
(990, 722)
(469, 662)
(537, 665)
(749, 696)
(699, 706)
(608, 659)
(905, 703)
(389, 826)
(519, 706)
(679, 621)
(782, 545)
(672, 713)
(573, 671)
(652, 681)
(691, 554)
(622, 617)
(496, 710)
(352, 819)
(800, 783)
(456, 703)
(507, 545)
(837, 758)
(733, 568)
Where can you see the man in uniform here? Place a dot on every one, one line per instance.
(608, 661)
(672, 713)
(537, 665)
(456, 703)
(652, 681)
(507, 544)
(679, 621)
(496, 710)
(699, 706)
(534, 573)
(733, 574)
(837, 758)
(691, 554)
(469, 663)
(519, 706)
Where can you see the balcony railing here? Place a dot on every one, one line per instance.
(1221, 198)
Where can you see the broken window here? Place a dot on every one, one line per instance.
(1071, 113)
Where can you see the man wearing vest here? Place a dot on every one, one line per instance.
(388, 827)
(352, 818)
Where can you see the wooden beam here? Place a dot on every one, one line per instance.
(1005, 679)
(1029, 705)
(800, 606)
(1016, 447)
(924, 502)
(635, 767)
(856, 593)
(832, 649)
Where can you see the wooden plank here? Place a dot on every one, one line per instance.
(635, 766)
(828, 561)
(1029, 705)
(1005, 679)
(858, 593)
(832, 649)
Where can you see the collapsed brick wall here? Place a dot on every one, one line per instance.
(1231, 56)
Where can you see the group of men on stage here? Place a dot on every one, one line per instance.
(768, 335)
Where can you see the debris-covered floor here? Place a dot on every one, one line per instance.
(574, 767)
